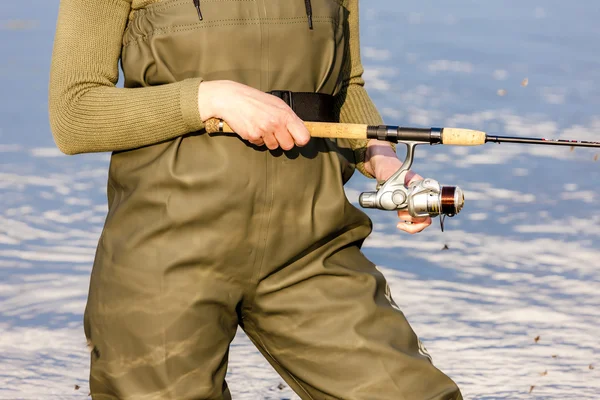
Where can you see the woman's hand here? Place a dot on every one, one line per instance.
(407, 222)
(381, 162)
(258, 117)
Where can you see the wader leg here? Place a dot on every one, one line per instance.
(159, 333)
(327, 325)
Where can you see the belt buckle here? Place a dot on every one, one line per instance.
(285, 95)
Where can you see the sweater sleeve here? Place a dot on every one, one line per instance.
(354, 104)
(87, 112)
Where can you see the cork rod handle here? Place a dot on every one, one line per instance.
(336, 130)
(462, 137)
(316, 129)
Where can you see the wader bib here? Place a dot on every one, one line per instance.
(205, 233)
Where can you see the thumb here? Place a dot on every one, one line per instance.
(411, 176)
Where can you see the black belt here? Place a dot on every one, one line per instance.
(316, 107)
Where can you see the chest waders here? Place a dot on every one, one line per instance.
(207, 233)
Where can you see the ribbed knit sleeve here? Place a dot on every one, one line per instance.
(87, 112)
(355, 105)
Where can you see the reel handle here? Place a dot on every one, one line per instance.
(368, 199)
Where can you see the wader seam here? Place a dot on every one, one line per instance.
(163, 5)
(257, 259)
(115, 201)
(264, 46)
(326, 240)
(256, 339)
(191, 27)
(164, 337)
(263, 246)
(268, 51)
(401, 391)
(101, 382)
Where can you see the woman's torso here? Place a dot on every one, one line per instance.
(215, 193)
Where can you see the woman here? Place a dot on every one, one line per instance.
(208, 232)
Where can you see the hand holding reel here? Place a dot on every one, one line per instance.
(421, 198)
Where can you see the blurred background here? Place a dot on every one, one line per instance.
(507, 299)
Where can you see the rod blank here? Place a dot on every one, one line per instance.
(559, 142)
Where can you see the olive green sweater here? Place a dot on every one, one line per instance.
(89, 114)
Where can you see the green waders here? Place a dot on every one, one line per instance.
(207, 233)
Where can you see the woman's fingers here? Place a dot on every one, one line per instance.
(412, 224)
(411, 177)
(297, 130)
(287, 129)
(412, 227)
(270, 141)
(284, 137)
(286, 133)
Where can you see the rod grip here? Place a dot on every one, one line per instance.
(336, 130)
(316, 129)
(462, 137)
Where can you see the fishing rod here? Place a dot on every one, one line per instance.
(396, 134)
(422, 198)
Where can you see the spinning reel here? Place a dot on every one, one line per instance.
(421, 198)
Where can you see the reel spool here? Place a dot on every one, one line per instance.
(428, 197)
